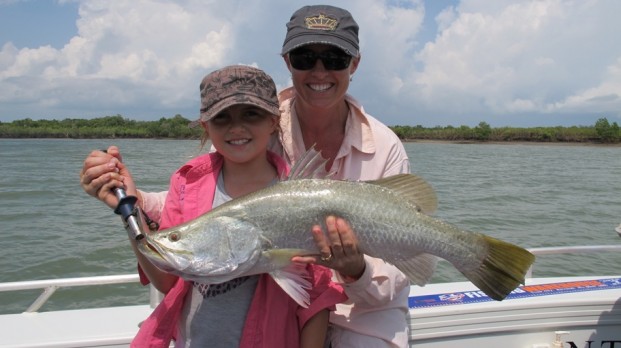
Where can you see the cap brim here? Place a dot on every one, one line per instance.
(310, 39)
(230, 101)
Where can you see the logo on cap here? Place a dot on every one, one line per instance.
(321, 22)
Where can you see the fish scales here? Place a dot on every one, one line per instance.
(384, 223)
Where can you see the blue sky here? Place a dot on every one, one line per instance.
(441, 62)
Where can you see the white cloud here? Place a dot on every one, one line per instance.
(493, 61)
(445, 18)
(606, 94)
(135, 51)
(388, 40)
(514, 57)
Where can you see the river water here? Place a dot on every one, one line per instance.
(531, 195)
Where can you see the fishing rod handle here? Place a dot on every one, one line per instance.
(129, 213)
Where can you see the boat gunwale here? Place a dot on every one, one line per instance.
(49, 286)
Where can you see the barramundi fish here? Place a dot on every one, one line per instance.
(260, 232)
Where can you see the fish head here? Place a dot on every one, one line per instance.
(217, 249)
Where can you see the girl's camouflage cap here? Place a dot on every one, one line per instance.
(236, 84)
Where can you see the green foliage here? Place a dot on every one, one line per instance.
(104, 127)
(607, 133)
(483, 131)
(117, 126)
(601, 132)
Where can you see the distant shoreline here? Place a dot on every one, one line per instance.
(519, 142)
(421, 141)
(118, 127)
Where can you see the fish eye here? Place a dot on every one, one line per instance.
(174, 237)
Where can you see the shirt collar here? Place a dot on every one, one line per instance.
(358, 132)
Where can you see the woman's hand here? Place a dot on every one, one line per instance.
(338, 249)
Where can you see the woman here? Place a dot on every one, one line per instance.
(321, 51)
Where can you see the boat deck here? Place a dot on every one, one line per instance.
(93, 327)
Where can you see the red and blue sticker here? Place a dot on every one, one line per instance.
(520, 292)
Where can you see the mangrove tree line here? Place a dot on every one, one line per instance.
(177, 128)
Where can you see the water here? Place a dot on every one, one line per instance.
(531, 195)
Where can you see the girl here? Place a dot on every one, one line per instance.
(239, 113)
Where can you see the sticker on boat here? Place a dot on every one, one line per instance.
(525, 291)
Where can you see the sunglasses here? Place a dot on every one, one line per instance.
(305, 59)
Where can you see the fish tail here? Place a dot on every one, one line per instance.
(502, 270)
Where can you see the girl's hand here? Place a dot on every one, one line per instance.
(102, 172)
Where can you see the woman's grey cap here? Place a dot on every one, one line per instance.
(236, 84)
(322, 24)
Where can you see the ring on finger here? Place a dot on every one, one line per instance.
(326, 258)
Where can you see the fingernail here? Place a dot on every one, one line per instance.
(113, 163)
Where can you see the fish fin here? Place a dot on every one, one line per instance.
(413, 189)
(280, 258)
(310, 166)
(419, 268)
(294, 280)
(502, 270)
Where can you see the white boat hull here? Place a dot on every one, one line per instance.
(577, 309)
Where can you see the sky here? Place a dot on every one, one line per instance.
(429, 63)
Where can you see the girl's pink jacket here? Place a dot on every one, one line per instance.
(273, 319)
